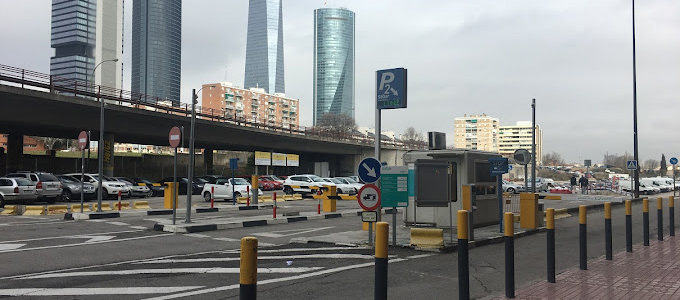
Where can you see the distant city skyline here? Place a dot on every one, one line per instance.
(334, 61)
(157, 49)
(264, 46)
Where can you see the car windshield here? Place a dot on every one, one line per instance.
(240, 181)
(47, 177)
(333, 180)
(274, 177)
(108, 178)
(68, 179)
(350, 180)
(24, 182)
(147, 182)
(317, 179)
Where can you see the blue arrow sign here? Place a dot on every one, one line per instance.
(369, 170)
(674, 160)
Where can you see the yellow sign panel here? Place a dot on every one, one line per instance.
(293, 160)
(278, 159)
(263, 158)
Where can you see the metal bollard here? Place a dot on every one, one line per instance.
(274, 198)
(645, 222)
(212, 197)
(381, 260)
(248, 278)
(120, 195)
(248, 195)
(550, 234)
(671, 215)
(659, 218)
(629, 226)
(608, 230)
(509, 255)
(463, 258)
(582, 238)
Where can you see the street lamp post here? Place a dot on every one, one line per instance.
(190, 177)
(636, 172)
(100, 157)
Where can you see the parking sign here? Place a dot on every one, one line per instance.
(391, 88)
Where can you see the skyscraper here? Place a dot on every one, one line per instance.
(85, 33)
(157, 48)
(264, 48)
(333, 62)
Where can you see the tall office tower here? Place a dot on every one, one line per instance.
(264, 48)
(84, 34)
(157, 49)
(333, 62)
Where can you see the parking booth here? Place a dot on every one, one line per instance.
(445, 181)
(167, 195)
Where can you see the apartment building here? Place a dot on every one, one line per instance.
(478, 132)
(250, 105)
(518, 136)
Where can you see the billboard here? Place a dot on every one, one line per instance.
(263, 158)
(278, 159)
(293, 160)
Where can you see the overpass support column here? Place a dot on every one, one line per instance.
(208, 160)
(15, 152)
(3, 160)
(108, 154)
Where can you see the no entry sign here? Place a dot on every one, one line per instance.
(83, 140)
(175, 137)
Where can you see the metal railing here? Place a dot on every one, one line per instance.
(28, 79)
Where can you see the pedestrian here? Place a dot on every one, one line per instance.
(573, 182)
(584, 184)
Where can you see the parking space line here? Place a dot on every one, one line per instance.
(70, 236)
(96, 291)
(86, 243)
(224, 259)
(175, 271)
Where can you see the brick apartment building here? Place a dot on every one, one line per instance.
(30, 144)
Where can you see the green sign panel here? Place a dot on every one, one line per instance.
(394, 186)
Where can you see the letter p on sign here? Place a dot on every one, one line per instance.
(386, 78)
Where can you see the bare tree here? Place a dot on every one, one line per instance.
(553, 159)
(411, 136)
(50, 142)
(651, 164)
(336, 123)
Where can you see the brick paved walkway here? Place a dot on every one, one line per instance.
(651, 272)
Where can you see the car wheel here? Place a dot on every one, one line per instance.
(237, 195)
(67, 196)
(287, 190)
(206, 196)
(105, 194)
(2, 202)
(339, 191)
(511, 190)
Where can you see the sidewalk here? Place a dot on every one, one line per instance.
(651, 272)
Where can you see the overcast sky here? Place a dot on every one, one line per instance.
(463, 57)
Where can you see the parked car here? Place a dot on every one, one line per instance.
(196, 186)
(141, 191)
(212, 178)
(303, 183)
(110, 187)
(355, 178)
(510, 187)
(227, 189)
(278, 179)
(17, 190)
(47, 185)
(156, 188)
(351, 181)
(71, 189)
(270, 183)
(341, 187)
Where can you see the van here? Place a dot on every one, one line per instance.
(657, 182)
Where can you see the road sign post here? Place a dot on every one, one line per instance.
(674, 161)
(175, 137)
(83, 143)
(394, 191)
(233, 165)
(497, 167)
(369, 199)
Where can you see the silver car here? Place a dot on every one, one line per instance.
(48, 186)
(16, 190)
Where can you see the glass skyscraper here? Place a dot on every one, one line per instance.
(85, 33)
(264, 48)
(333, 62)
(157, 48)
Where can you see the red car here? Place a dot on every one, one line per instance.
(271, 183)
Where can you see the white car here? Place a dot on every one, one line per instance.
(225, 190)
(341, 187)
(303, 183)
(111, 187)
(509, 187)
(351, 181)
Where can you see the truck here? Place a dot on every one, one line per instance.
(226, 189)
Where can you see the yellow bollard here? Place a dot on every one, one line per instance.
(582, 237)
(381, 260)
(509, 255)
(463, 256)
(248, 268)
(550, 237)
(608, 230)
(671, 215)
(645, 222)
(629, 226)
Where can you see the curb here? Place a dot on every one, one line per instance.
(91, 216)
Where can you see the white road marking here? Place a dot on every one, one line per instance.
(176, 271)
(118, 223)
(10, 246)
(71, 236)
(418, 256)
(275, 280)
(138, 227)
(95, 238)
(198, 235)
(96, 291)
(227, 239)
(266, 245)
(30, 223)
(282, 233)
(96, 220)
(86, 243)
(222, 259)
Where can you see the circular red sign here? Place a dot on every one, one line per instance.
(175, 137)
(82, 140)
(369, 197)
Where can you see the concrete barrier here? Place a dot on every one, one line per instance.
(34, 210)
(297, 196)
(75, 208)
(242, 200)
(141, 205)
(57, 209)
(348, 197)
(105, 206)
(427, 237)
(10, 210)
(123, 205)
(288, 198)
(552, 197)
